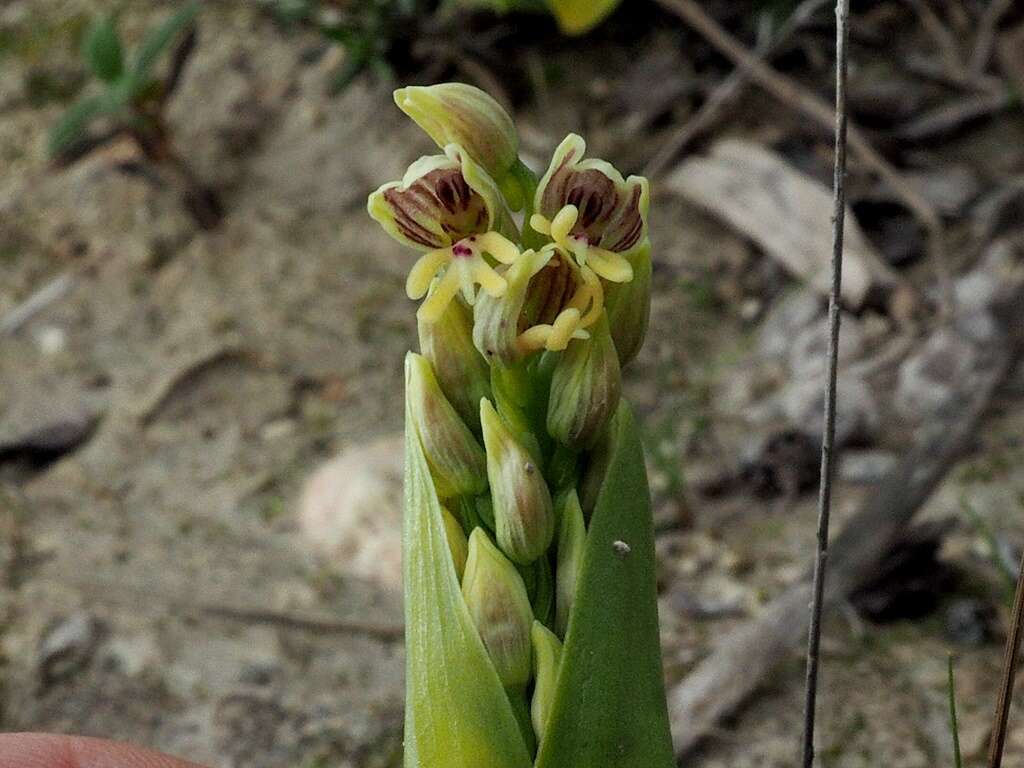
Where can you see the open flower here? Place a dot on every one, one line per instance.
(447, 206)
(550, 300)
(562, 303)
(590, 211)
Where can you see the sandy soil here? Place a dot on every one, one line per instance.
(145, 573)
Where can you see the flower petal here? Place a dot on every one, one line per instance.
(441, 200)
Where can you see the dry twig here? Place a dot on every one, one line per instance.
(105, 593)
(799, 98)
(995, 754)
(748, 655)
(985, 40)
(949, 50)
(728, 91)
(828, 441)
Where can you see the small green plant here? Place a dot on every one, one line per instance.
(129, 100)
(369, 31)
(528, 546)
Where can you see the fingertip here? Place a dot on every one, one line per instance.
(38, 750)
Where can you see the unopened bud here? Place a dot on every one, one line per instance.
(629, 306)
(461, 114)
(457, 543)
(524, 517)
(547, 655)
(463, 374)
(572, 535)
(500, 609)
(585, 389)
(457, 462)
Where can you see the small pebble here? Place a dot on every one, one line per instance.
(51, 340)
(67, 646)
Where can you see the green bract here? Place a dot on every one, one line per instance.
(531, 613)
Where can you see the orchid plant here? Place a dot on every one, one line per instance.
(531, 613)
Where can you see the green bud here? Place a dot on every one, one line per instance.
(456, 113)
(524, 518)
(547, 655)
(500, 609)
(463, 374)
(572, 535)
(457, 462)
(585, 389)
(457, 543)
(629, 305)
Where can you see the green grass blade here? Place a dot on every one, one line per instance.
(71, 127)
(457, 714)
(958, 761)
(609, 709)
(157, 40)
(102, 50)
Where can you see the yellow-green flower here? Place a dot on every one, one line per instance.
(449, 207)
(589, 210)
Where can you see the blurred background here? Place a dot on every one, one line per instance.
(202, 333)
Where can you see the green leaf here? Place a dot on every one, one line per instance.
(72, 125)
(156, 40)
(102, 50)
(609, 709)
(457, 714)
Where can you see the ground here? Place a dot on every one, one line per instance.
(207, 374)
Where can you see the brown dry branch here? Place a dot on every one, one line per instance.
(987, 27)
(116, 594)
(829, 438)
(1002, 716)
(945, 41)
(794, 95)
(728, 91)
(748, 655)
